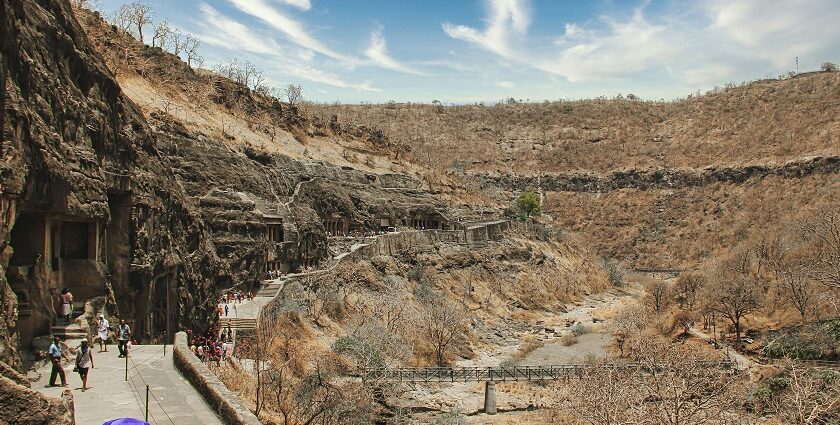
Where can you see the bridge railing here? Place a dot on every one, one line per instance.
(515, 373)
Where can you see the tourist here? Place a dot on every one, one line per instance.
(103, 331)
(250, 296)
(226, 309)
(220, 310)
(55, 358)
(124, 336)
(66, 302)
(84, 361)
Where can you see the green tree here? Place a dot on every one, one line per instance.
(529, 203)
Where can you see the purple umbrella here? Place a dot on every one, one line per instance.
(126, 421)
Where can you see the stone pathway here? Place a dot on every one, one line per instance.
(172, 399)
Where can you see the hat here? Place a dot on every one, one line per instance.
(101, 316)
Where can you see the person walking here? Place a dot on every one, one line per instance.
(55, 358)
(66, 304)
(103, 331)
(84, 361)
(226, 309)
(124, 336)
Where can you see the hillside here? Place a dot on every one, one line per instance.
(655, 184)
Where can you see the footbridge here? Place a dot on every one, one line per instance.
(492, 375)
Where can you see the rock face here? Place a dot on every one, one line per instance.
(268, 212)
(142, 212)
(663, 178)
(87, 202)
(26, 406)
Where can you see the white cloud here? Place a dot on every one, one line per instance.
(221, 31)
(300, 4)
(504, 84)
(378, 53)
(779, 30)
(622, 48)
(506, 20)
(292, 29)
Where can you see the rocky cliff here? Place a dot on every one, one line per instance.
(87, 202)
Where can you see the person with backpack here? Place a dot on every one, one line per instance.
(84, 361)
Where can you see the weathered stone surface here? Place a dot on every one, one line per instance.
(75, 149)
(227, 404)
(19, 404)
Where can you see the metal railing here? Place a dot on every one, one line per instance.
(515, 373)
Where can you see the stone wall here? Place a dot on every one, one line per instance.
(226, 404)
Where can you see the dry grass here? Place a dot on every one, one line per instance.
(733, 125)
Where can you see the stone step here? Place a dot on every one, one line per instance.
(69, 331)
(238, 323)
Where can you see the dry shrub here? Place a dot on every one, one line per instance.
(530, 344)
(568, 340)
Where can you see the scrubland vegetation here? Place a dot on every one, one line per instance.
(756, 260)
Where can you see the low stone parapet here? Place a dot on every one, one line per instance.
(223, 401)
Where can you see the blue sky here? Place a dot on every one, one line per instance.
(462, 51)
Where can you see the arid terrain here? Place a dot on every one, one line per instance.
(678, 261)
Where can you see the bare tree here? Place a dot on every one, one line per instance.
(161, 35)
(178, 40)
(629, 322)
(441, 321)
(825, 231)
(669, 386)
(134, 16)
(658, 295)
(191, 45)
(686, 288)
(294, 94)
(734, 293)
(799, 289)
(812, 396)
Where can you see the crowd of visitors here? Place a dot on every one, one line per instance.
(211, 346)
(229, 301)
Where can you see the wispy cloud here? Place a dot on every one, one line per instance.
(292, 29)
(505, 84)
(219, 30)
(778, 30)
(506, 20)
(621, 48)
(300, 4)
(378, 53)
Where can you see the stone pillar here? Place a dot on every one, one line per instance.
(490, 398)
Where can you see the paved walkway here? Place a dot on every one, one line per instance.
(172, 399)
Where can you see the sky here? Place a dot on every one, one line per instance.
(466, 51)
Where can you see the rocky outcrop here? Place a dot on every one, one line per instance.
(20, 404)
(81, 176)
(661, 178)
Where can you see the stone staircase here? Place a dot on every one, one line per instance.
(269, 288)
(72, 330)
(67, 332)
(238, 323)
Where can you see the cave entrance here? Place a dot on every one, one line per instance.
(28, 277)
(161, 312)
(336, 225)
(78, 262)
(275, 230)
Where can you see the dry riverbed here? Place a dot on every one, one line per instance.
(546, 341)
